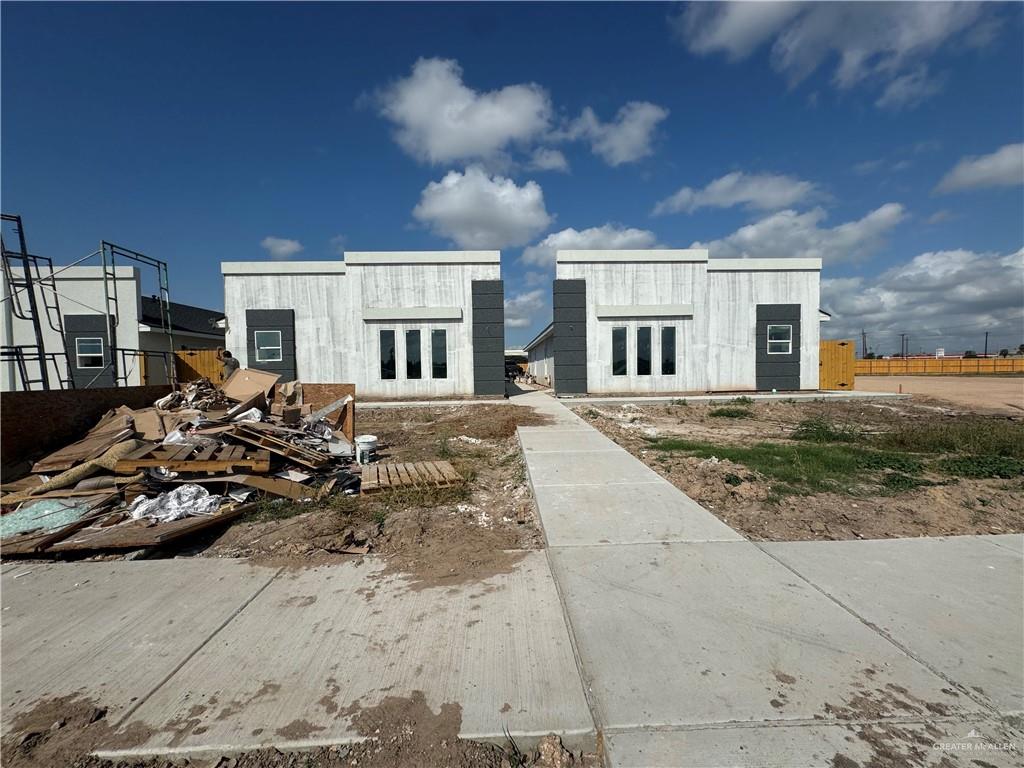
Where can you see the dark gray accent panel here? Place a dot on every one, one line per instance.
(781, 372)
(488, 337)
(89, 326)
(282, 320)
(569, 303)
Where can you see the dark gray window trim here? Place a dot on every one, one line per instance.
(623, 332)
(648, 345)
(394, 354)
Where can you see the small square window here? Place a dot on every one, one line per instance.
(780, 339)
(268, 346)
(89, 352)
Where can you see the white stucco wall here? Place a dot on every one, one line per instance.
(335, 343)
(541, 361)
(716, 344)
(80, 292)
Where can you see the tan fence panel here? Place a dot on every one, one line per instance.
(836, 365)
(192, 364)
(929, 366)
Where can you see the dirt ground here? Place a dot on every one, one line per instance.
(985, 394)
(399, 733)
(926, 505)
(432, 537)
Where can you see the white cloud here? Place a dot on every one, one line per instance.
(338, 243)
(792, 234)
(607, 236)
(909, 90)
(940, 216)
(625, 139)
(545, 159)
(522, 309)
(280, 247)
(879, 42)
(867, 167)
(439, 119)
(761, 191)
(1003, 168)
(476, 210)
(941, 298)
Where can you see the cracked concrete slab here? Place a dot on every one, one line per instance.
(674, 634)
(286, 670)
(112, 631)
(956, 603)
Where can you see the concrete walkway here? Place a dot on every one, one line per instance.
(215, 656)
(699, 648)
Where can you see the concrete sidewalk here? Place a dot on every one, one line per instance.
(699, 648)
(215, 656)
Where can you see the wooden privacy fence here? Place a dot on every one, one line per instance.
(940, 366)
(192, 364)
(836, 364)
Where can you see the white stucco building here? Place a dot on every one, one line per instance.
(647, 321)
(80, 312)
(395, 324)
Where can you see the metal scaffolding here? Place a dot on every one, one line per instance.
(34, 297)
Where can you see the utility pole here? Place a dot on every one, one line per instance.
(986, 344)
(902, 347)
(863, 343)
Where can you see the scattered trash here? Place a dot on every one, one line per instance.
(201, 455)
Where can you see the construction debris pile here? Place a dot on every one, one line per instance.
(199, 457)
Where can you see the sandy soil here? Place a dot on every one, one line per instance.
(980, 394)
(432, 537)
(399, 733)
(746, 502)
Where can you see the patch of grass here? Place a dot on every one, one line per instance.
(899, 482)
(1005, 467)
(680, 401)
(444, 449)
(275, 509)
(743, 400)
(821, 430)
(963, 435)
(731, 413)
(731, 479)
(802, 468)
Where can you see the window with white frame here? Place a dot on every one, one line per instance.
(780, 339)
(89, 352)
(268, 346)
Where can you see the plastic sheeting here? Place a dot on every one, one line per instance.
(184, 501)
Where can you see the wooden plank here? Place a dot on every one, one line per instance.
(417, 478)
(206, 452)
(448, 471)
(436, 477)
(403, 476)
(313, 459)
(133, 534)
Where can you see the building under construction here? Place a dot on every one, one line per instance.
(87, 324)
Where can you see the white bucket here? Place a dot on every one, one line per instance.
(366, 448)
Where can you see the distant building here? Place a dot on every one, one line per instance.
(395, 324)
(665, 321)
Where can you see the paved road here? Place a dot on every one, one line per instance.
(699, 648)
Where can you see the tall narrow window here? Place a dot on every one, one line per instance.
(413, 355)
(643, 351)
(268, 346)
(618, 351)
(668, 351)
(387, 354)
(89, 352)
(439, 354)
(780, 339)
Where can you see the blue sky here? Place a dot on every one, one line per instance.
(884, 138)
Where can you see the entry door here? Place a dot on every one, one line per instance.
(778, 347)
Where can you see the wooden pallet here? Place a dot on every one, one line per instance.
(190, 458)
(432, 474)
(261, 437)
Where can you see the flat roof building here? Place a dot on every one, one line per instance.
(395, 324)
(666, 321)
